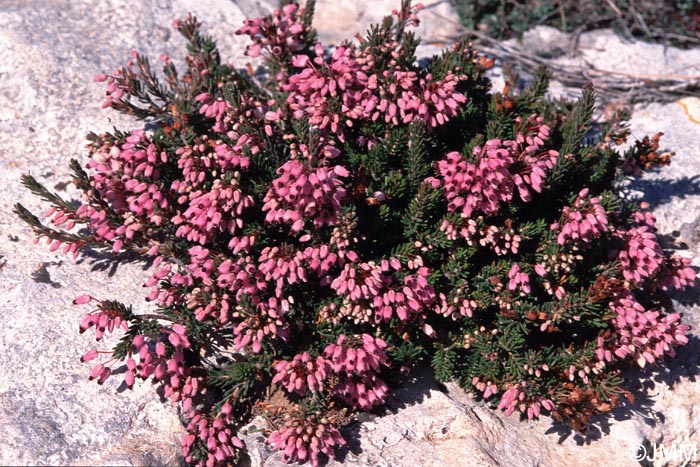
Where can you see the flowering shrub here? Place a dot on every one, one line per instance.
(347, 213)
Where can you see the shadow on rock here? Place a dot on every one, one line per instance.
(686, 364)
(661, 191)
(414, 389)
(106, 261)
(353, 445)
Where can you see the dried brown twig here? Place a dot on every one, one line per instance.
(611, 85)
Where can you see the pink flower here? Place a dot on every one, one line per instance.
(216, 210)
(676, 273)
(81, 300)
(104, 318)
(266, 320)
(214, 108)
(362, 281)
(502, 241)
(518, 280)
(458, 304)
(348, 77)
(90, 355)
(364, 392)
(282, 264)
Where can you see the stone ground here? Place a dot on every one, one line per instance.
(51, 414)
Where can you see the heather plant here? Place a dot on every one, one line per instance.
(318, 227)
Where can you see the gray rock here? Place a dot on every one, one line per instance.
(51, 414)
(546, 41)
(673, 191)
(339, 21)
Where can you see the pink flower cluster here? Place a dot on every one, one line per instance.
(458, 304)
(214, 108)
(312, 90)
(155, 361)
(584, 221)
(348, 79)
(102, 318)
(282, 264)
(232, 291)
(163, 364)
(582, 373)
(320, 260)
(279, 33)
(467, 228)
(218, 209)
(215, 434)
(120, 173)
(370, 286)
(516, 398)
(410, 98)
(518, 281)
(202, 163)
(641, 257)
(357, 359)
(501, 240)
(241, 277)
(301, 193)
(645, 335)
(415, 297)
(487, 388)
(266, 320)
(488, 181)
(643, 260)
(362, 281)
(676, 273)
(162, 358)
(362, 391)
(302, 373)
(530, 138)
(354, 360)
(230, 114)
(210, 204)
(169, 278)
(303, 439)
